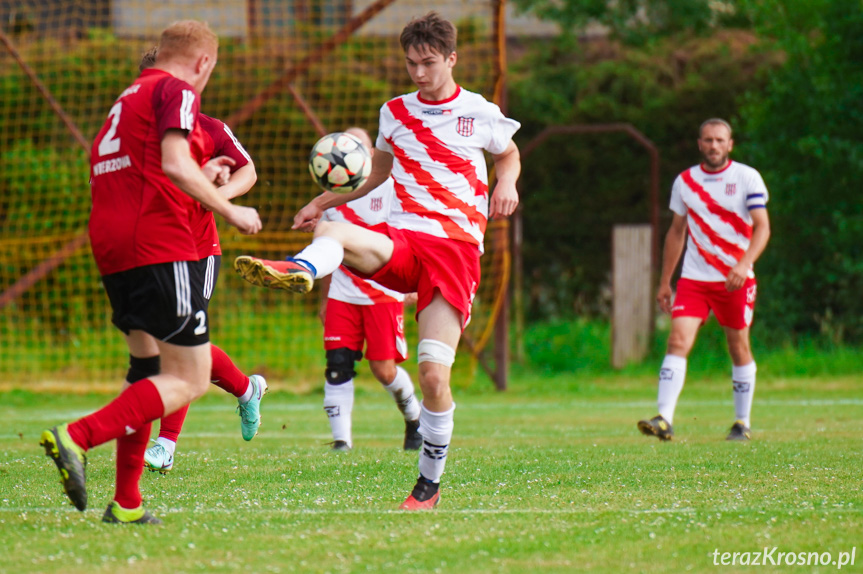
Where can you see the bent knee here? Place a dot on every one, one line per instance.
(680, 344)
(383, 371)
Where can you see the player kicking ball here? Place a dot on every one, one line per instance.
(356, 310)
(431, 141)
(723, 206)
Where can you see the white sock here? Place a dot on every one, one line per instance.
(338, 404)
(671, 378)
(169, 445)
(401, 389)
(743, 380)
(247, 396)
(325, 254)
(436, 429)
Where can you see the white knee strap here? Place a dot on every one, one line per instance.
(431, 351)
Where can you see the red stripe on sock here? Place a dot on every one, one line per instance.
(172, 424)
(225, 373)
(136, 406)
(130, 465)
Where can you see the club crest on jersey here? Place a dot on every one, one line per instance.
(730, 188)
(465, 126)
(377, 204)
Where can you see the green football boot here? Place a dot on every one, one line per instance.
(116, 514)
(250, 412)
(71, 461)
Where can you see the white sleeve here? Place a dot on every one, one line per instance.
(501, 130)
(385, 128)
(756, 191)
(327, 215)
(676, 204)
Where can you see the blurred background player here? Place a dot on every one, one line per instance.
(145, 184)
(723, 205)
(354, 310)
(432, 143)
(230, 167)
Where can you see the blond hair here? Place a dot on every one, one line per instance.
(186, 39)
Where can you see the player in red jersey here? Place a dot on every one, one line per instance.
(722, 205)
(229, 165)
(431, 142)
(355, 311)
(145, 183)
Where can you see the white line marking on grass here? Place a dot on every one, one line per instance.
(458, 511)
(63, 415)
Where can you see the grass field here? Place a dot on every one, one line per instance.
(549, 477)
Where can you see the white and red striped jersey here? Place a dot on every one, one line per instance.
(366, 211)
(717, 206)
(439, 168)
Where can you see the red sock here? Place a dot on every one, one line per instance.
(136, 406)
(225, 373)
(172, 424)
(130, 465)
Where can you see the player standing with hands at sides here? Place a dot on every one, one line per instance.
(723, 205)
(354, 310)
(145, 183)
(432, 143)
(231, 168)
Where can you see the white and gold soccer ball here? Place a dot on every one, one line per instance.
(340, 163)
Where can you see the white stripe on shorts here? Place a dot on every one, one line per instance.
(183, 290)
(208, 277)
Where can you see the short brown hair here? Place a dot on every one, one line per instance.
(186, 38)
(714, 122)
(148, 60)
(431, 30)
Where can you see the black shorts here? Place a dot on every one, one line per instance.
(165, 300)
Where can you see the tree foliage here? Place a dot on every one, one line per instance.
(804, 132)
(787, 73)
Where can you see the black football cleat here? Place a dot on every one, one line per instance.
(739, 431)
(71, 461)
(340, 446)
(658, 427)
(114, 514)
(413, 438)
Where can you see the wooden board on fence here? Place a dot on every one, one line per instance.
(632, 299)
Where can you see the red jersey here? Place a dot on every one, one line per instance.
(139, 216)
(218, 140)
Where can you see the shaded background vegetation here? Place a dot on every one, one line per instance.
(788, 75)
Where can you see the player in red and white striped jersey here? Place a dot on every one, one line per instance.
(432, 142)
(356, 310)
(722, 205)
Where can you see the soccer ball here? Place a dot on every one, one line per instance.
(340, 163)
